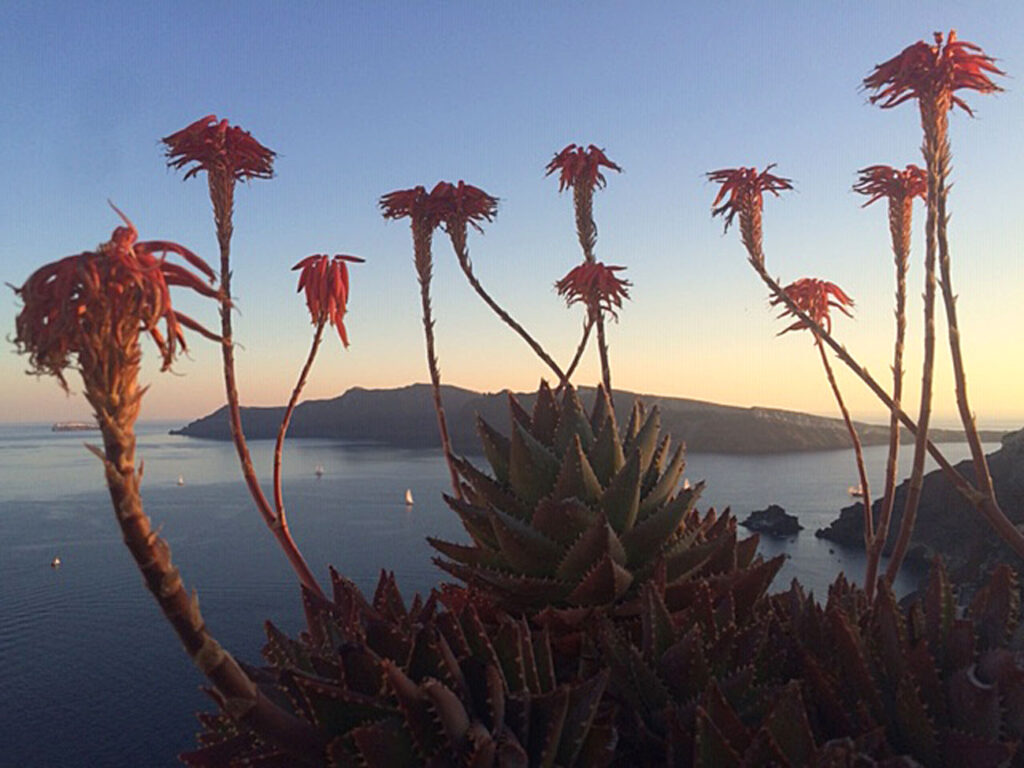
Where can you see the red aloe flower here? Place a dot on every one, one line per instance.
(459, 204)
(218, 147)
(409, 203)
(745, 187)
(596, 285)
(880, 181)
(816, 298)
(71, 306)
(325, 280)
(580, 166)
(933, 72)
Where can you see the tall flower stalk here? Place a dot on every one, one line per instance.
(932, 74)
(415, 205)
(817, 298)
(326, 283)
(745, 187)
(899, 188)
(459, 205)
(580, 169)
(229, 154)
(86, 312)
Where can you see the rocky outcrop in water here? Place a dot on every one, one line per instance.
(946, 523)
(773, 521)
(405, 418)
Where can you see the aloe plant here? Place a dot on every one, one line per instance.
(429, 684)
(575, 514)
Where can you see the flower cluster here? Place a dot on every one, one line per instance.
(595, 285)
(745, 188)
(878, 181)
(449, 205)
(933, 73)
(219, 148)
(81, 303)
(325, 280)
(579, 167)
(815, 298)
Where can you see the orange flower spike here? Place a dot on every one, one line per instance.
(596, 285)
(933, 73)
(459, 204)
(326, 283)
(218, 147)
(816, 298)
(745, 188)
(878, 181)
(580, 167)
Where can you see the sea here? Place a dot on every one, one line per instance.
(90, 673)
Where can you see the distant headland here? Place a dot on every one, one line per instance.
(404, 418)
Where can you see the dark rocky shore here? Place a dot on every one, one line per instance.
(946, 523)
(405, 418)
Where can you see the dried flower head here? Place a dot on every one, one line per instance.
(595, 285)
(933, 73)
(878, 181)
(83, 305)
(580, 167)
(816, 298)
(745, 188)
(325, 280)
(459, 204)
(220, 149)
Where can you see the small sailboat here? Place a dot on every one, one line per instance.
(319, 471)
(686, 484)
(856, 491)
(181, 479)
(408, 497)
(55, 563)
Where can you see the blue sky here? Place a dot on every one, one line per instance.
(362, 98)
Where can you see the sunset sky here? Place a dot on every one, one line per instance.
(361, 98)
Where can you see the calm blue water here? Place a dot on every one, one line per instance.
(90, 674)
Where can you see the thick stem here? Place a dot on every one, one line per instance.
(900, 212)
(934, 122)
(602, 348)
(237, 693)
(458, 238)
(587, 325)
(858, 452)
(422, 235)
(279, 445)
(981, 470)
(222, 196)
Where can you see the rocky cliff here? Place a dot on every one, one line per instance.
(405, 417)
(946, 523)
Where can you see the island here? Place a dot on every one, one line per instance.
(404, 417)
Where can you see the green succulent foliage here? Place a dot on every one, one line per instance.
(575, 514)
(433, 684)
(783, 680)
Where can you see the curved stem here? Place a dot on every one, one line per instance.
(869, 525)
(222, 195)
(462, 253)
(587, 325)
(279, 445)
(422, 235)
(1009, 533)
(237, 694)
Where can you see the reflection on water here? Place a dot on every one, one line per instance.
(94, 677)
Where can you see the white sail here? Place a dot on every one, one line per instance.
(408, 497)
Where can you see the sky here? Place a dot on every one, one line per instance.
(361, 98)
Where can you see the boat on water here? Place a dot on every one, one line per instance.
(856, 491)
(181, 479)
(74, 426)
(55, 563)
(408, 497)
(319, 471)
